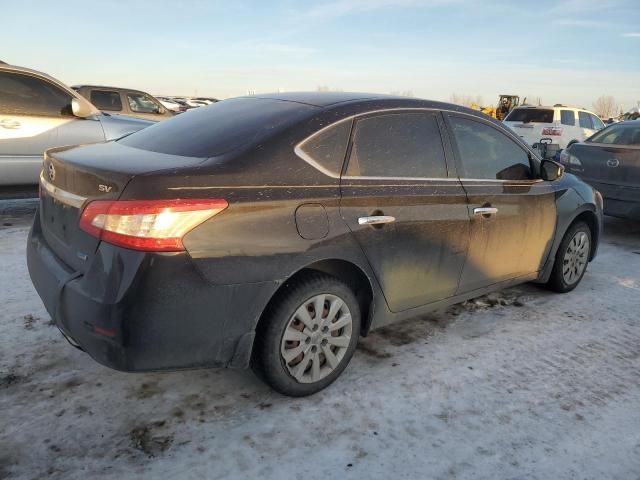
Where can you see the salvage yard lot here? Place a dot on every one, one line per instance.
(522, 384)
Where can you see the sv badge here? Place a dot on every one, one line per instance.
(105, 188)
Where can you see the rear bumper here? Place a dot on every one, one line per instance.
(136, 311)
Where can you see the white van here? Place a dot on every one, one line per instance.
(564, 125)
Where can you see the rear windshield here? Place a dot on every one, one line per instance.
(530, 115)
(218, 128)
(625, 134)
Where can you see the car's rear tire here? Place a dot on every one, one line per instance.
(297, 352)
(571, 259)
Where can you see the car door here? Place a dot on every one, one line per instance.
(569, 129)
(586, 125)
(512, 215)
(596, 122)
(34, 116)
(404, 210)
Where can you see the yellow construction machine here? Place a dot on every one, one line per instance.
(506, 103)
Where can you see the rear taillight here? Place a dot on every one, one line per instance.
(568, 159)
(552, 131)
(148, 225)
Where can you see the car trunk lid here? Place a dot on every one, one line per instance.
(530, 123)
(74, 176)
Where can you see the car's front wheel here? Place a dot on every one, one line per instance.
(571, 259)
(307, 336)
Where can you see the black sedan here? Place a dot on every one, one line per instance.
(610, 161)
(274, 231)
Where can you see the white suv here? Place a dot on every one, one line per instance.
(564, 125)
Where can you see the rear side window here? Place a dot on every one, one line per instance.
(585, 120)
(27, 95)
(530, 115)
(597, 123)
(106, 100)
(328, 147)
(485, 152)
(219, 128)
(567, 117)
(397, 145)
(141, 103)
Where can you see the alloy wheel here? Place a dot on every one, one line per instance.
(575, 258)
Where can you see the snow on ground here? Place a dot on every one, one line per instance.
(525, 384)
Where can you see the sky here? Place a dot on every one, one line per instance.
(563, 51)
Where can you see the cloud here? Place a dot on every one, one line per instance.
(568, 7)
(631, 35)
(283, 49)
(342, 8)
(569, 22)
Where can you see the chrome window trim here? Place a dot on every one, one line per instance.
(307, 158)
(63, 196)
(310, 160)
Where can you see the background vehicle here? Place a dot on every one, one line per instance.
(415, 205)
(38, 112)
(632, 114)
(196, 103)
(562, 124)
(506, 103)
(610, 161)
(124, 101)
(207, 100)
(170, 104)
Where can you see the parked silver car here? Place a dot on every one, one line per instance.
(38, 112)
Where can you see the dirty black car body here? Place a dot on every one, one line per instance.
(610, 162)
(370, 209)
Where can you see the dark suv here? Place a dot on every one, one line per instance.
(274, 231)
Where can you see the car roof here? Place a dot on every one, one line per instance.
(324, 99)
(552, 107)
(16, 68)
(104, 87)
(347, 104)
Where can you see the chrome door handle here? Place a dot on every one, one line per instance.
(485, 211)
(376, 220)
(9, 123)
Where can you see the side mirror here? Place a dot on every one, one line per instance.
(550, 170)
(162, 110)
(80, 109)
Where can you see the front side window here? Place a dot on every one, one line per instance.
(567, 117)
(141, 103)
(485, 152)
(27, 95)
(327, 148)
(585, 120)
(397, 145)
(106, 100)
